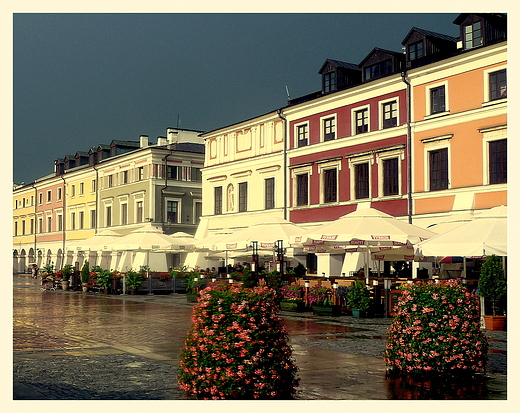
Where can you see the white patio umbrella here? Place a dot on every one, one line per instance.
(266, 233)
(366, 228)
(95, 244)
(485, 235)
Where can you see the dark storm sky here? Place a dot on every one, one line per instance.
(85, 79)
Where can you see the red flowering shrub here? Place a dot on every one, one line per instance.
(436, 329)
(237, 347)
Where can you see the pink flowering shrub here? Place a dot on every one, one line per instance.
(291, 292)
(237, 347)
(320, 295)
(436, 328)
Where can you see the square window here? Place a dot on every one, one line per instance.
(415, 50)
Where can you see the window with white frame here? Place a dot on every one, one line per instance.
(124, 213)
(72, 220)
(494, 150)
(59, 194)
(437, 99)
(72, 191)
(302, 189)
(40, 225)
(49, 224)
(93, 186)
(92, 218)
(302, 134)
(438, 169)
(172, 211)
(40, 198)
(59, 218)
(329, 128)
(498, 85)
(108, 216)
(139, 211)
(81, 220)
(198, 212)
(49, 196)
(330, 185)
(269, 193)
(361, 118)
(242, 197)
(360, 176)
(389, 113)
(217, 199)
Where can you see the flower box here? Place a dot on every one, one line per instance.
(495, 322)
(294, 306)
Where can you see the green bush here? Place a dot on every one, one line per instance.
(358, 296)
(85, 273)
(133, 279)
(237, 347)
(492, 283)
(436, 328)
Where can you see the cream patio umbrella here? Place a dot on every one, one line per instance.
(485, 235)
(95, 244)
(365, 228)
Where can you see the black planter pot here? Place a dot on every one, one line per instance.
(327, 310)
(294, 306)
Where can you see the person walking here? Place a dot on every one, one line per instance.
(34, 271)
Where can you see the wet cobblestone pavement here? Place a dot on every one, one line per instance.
(77, 346)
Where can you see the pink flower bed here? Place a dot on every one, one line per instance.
(237, 347)
(436, 328)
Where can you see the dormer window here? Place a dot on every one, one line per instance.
(329, 82)
(473, 35)
(416, 50)
(378, 70)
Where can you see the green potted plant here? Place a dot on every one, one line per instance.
(66, 272)
(358, 299)
(85, 275)
(492, 286)
(292, 298)
(133, 280)
(193, 283)
(104, 279)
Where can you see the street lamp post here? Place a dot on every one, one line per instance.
(280, 257)
(254, 261)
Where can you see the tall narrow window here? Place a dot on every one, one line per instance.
(49, 224)
(172, 212)
(93, 186)
(437, 100)
(58, 197)
(139, 211)
(72, 220)
(472, 35)
(73, 191)
(110, 181)
(15, 228)
(109, 216)
(198, 212)
(330, 185)
(498, 85)
(391, 176)
(361, 181)
(40, 225)
(140, 173)
(302, 189)
(125, 177)
(124, 214)
(439, 169)
(23, 227)
(415, 50)
(269, 193)
(242, 197)
(218, 200)
(361, 121)
(389, 114)
(81, 219)
(303, 135)
(329, 82)
(32, 226)
(60, 223)
(92, 218)
(329, 129)
(81, 188)
(498, 162)
(49, 196)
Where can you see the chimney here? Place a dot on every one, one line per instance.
(143, 141)
(161, 141)
(172, 134)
